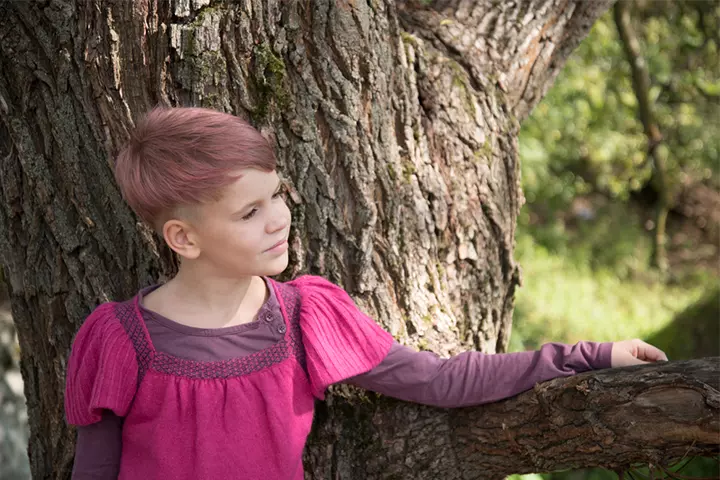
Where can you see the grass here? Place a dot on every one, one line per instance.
(573, 291)
(566, 302)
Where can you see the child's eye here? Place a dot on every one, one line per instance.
(250, 215)
(280, 193)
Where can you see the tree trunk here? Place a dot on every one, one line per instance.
(395, 124)
(641, 87)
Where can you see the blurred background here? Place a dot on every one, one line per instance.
(620, 234)
(614, 160)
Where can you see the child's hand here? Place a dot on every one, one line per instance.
(635, 352)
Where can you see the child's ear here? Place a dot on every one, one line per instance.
(180, 238)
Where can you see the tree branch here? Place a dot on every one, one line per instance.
(526, 41)
(611, 418)
(641, 88)
(639, 70)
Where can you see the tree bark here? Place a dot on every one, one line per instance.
(395, 125)
(641, 87)
(609, 418)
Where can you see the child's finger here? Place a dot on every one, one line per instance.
(633, 360)
(651, 353)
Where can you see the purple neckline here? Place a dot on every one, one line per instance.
(268, 313)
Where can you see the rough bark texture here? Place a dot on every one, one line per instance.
(610, 418)
(395, 125)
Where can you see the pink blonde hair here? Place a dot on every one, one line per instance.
(186, 156)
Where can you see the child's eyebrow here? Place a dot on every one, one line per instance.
(257, 202)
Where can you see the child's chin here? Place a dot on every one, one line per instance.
(276, 267)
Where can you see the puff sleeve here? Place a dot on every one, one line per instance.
(102, 369)
(340, 341)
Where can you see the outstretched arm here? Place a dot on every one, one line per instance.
(473, 378)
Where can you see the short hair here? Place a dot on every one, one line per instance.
(186, 156)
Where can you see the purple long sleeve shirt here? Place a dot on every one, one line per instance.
(471, 378)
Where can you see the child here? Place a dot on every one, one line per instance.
(213, 375)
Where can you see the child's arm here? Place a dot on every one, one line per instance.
(473, 378)
(98, 448)
(342, 344)
(101, 382)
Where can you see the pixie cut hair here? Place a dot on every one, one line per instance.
(186, 156)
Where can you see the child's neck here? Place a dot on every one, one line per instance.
(207, 301)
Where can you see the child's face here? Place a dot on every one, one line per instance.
(235, 236)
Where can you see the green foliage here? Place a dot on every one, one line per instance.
(585, 135)
(681, 49)
(586, 274)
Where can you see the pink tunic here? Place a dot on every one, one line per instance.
(243, 418)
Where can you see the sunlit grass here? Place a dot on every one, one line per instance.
(565, 302)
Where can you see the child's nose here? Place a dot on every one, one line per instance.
(278, 223)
